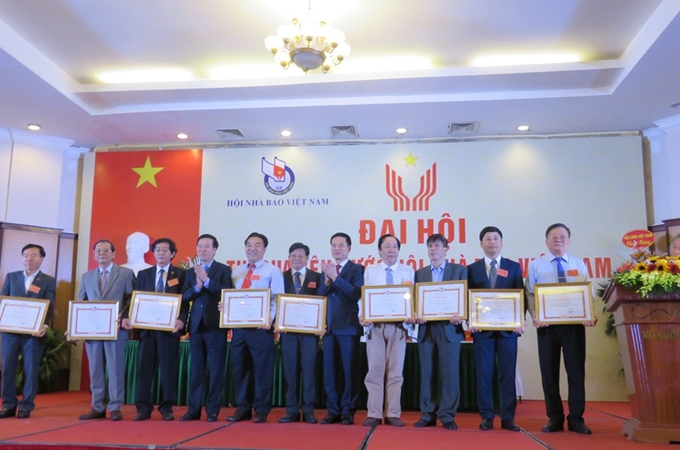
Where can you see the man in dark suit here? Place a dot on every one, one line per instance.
(342, 283)
(203, 286)
(442, 337)
(28, 283)
(495, 272)
(109, 281)
(160, 347)
(299, 349)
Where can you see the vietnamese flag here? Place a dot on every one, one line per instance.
(157, 193)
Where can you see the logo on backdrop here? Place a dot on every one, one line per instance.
(421, 202)
(279, 179)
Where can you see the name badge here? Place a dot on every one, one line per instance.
(311, 284)
(173, 282)
(33, 288)
(572, 272)
(502, 273)
(255, 277)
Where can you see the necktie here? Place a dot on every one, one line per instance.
(338, 268)
(298, 284)
(493, 272)
(160, 286)
(246, 280)
(102, 282)
(388, 276)
(561, 278)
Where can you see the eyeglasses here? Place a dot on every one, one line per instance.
(558, 238)
(102, 250)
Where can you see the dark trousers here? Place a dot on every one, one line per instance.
(487, 345)
(32, 349)
(299, 350)
(157, 348)
(341, 373)
(252, 355)
(569, 340)
(207, 347)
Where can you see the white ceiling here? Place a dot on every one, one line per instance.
(52, 51)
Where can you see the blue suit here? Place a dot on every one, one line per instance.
(341, 341)
(488, 344)
(207, 340)
(439, 342)
(31, 347)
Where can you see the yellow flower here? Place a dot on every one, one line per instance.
(641, 267)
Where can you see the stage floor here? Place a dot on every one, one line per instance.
(55, 424)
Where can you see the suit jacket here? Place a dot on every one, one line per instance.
(146, 281)
(342, 311)
(478, 278)
(310, 277)
(204, 306)
(14, 287)
(119, 286)
(451, 272)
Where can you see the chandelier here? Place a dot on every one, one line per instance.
(308, 43)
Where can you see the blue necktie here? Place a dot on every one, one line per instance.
(561, 278)
(493, 273)
(160, 286)
(389, 277)
(296, 280)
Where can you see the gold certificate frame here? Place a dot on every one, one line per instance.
(92, 320)
(496, 309)
(441, 299)
(387, 303)
(300, 313)
(154, 310)
(564, 303)
(245, 308)
(22, 315)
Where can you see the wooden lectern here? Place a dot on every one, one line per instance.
(648, 330)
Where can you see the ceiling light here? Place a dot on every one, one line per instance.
(309, 43)
(401, 130)
(522, 60)
(33, 126)
(675, 105)
(286, 133)
(523, 128)
(182, 135)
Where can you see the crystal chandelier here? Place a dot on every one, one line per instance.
(308, 43)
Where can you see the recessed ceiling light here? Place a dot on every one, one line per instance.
(401, 130)
(675, 105)
(286, 133)
(182, 135)
(33, 126)
(523, 128)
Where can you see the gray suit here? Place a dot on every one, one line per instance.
(119, 286)
(440, 342)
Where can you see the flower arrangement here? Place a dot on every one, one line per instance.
(649, 275)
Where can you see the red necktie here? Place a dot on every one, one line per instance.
(246, 280)
(338, 268)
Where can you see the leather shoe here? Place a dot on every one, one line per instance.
(579, 428)
(23, 414)
(487, 424)
(262, 418)
(140, 417)
(211, 418)
(240, 416)
(331, 418)
(371, 422)
(509, 425)
(450, 425)
(168, 417)
(288, 418)
(551, 427)
(7, 413)
(92, 414)
(347, 419)
(309, 418)
(422, 423)
(188, 417)
(116, 416)
(394, 421)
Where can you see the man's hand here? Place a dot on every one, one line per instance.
(538, 324)
(125, 324)
(266, 327)
(455, 319)
(201, 275)
(178, 325)
(590, 323)
(330, 271)
(41, 333)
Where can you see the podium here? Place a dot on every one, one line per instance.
(648, 330)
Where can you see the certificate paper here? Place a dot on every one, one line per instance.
(154, 310)
(495, 309)
(301, 313)
(92, 320)
(392, 303)
(564, 303)
(244, 308)
(22, 315)
(441, 300)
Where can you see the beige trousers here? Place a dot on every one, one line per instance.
(386, 350)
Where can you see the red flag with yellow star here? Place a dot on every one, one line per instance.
(157, 193)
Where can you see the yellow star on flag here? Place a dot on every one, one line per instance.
(147, 174)
(410, 160)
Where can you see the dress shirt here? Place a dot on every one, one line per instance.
(487, 262)
(107, 270)
(544, 270)
(438, 272)
(28, 279)
(267, 276)
(376, 275)
(206, 266)
(164, 274)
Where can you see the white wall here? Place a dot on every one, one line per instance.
(664, 144)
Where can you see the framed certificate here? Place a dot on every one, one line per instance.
(393, 303)
(495, 309)
(441, 300)
(22, 315)
(154, 310)
(244, 308)
(564, 303)
(301, 313)
(90, 320)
